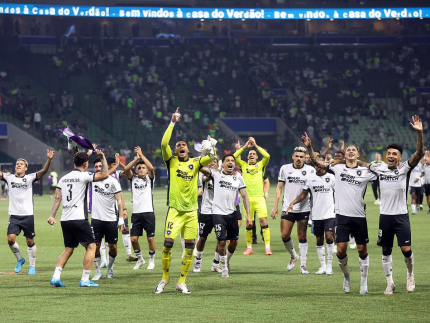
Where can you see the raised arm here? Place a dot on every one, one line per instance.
(245, 200)
(115, 165)
(50, 154)
(206, 171)
(419, 153)
(298, 199)
(165, 148)
(278, 194)
(127, 169)
(148, 164)
(105, 172)
(329, 144)
(55, 207)
(307, 142)
(239, 151)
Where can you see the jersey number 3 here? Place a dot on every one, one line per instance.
(69, 197)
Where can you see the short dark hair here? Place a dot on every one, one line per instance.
(80, 159)
(97, 160)
(229, 155)
(110, 160)
(140, 162)
(354, 145)
(395, 146)
(320, 157)
(340, 152)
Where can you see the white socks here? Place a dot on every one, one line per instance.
(57, 272)
(223, 262)
(138, 254)
(321, 255)
(229, 255)
(410, 264)
(103, 251)
(111, 261)
(303, 250)
(199, 256)
(127, 243)
(330, 250)
(289, 245)
(387, 264)
(85, 275)
(343, 264)
(97, 264)
(15, 250)
(364, 267)
(31, 251)
(216, 258)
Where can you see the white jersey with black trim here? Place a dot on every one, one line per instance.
(74, 187)
(117, 174)
(104, 206)
(142, 190)
(207, 197)
(351, 185)
(225, 190)
(321, 189)
(20, 193)
(426, 174)
(393, 185)
(294, 180)
(415, 178)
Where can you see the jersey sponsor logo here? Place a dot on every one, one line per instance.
(101, 190)
(141, 186)
(227, 185)
(19, 185)
(296, 180)
(210, 186)
(184, 175)
(252, 171)
(321, 189)
(388, 178)
(349, 179)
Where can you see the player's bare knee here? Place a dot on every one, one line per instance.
(263, 221)
(113, 248)
(405, 248)
(91, 247)
(134, 239)
(221, 244)
(320, 241)
(328, 236)
(362, 249)
(11, 240)
(285, 236)
(301, 235)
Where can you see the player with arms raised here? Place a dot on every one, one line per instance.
(253, 174)
(183, 173)
(21, 209)
(351, 183)
(394, 218)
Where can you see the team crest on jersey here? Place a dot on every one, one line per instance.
(359, 172)
(107, 185)
(168, 232)
(256, 166)
(327, 179)
(396, 172)
(304, 173)
(234, 178)
(24, 180)
(191, 166)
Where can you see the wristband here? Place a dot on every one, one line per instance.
(172, 123)
(120, 221)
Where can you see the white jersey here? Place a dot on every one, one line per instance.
(142, 189)
(321, 189)
(416, 174)
(294, 180)
(393, 184)
(208, 197)
(20, 193)
(103, 201)
(226, 188)
(74, 187)
(426, 174)
(117, 174)
(351, 185)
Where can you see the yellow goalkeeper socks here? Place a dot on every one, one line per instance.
(166, 259)
(186, 264)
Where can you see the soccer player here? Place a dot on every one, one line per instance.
(206, 221)
(416, 186)
(227, 184)
(292, 179)
(71, 192)
(253, 174)
(113, 164)
(106, 195)
(427, 179)
(53, 177)
(351, 183)
(375, 184)
(21, 209)
(143, 217)
(182, 201)
(321, 189)
(394, 218)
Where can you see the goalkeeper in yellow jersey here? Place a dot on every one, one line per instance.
(253, 174)
(183, 173)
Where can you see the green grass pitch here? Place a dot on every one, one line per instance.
(259, 288)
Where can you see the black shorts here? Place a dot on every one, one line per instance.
(77, 232)
(226, 227)
(237, 213)
(346, 225)
(427, 189)
(390, 225)
(21, 222)
(142, 221)
(293, 217)
(321, 226)
(417, 190)
(106, 229)
(52, 188)
(206, 224)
